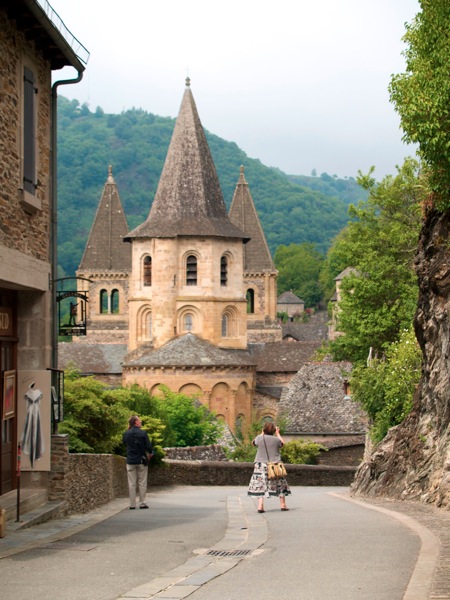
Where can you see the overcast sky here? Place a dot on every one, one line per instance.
(299, 84)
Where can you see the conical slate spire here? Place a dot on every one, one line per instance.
(188, 201)
(243, 214)
(105, 248)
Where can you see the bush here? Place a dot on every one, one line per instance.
(300, 452)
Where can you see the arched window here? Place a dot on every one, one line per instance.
(188, 322)
(115, 302)
(191, 270)
(148, 270)
(103, 302)
(223, 270)
(224, 325)
(250, 301)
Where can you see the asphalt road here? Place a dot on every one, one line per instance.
(210, 543)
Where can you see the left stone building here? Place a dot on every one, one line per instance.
(33, 44)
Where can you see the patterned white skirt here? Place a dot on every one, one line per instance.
(261, 486)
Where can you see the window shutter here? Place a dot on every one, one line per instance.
(29, 150)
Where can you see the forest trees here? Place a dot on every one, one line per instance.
(379, 298)
(414, 461)
(298, 267)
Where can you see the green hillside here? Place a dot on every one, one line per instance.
(292, 209)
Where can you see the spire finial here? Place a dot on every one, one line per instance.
(188, 82)
(110, 175)
(242, 169)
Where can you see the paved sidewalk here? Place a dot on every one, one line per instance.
(212, 544)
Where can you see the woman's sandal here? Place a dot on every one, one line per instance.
(285, 508)
(261, 510)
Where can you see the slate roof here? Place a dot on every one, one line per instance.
(188, 200)
(105, 248)
(280, 357)
(190, 351)
(257, 257)
(345, 273)
(313, 330)
(91, 358)
(314, 401)
(289, 298)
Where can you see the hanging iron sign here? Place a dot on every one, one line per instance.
(72, 312)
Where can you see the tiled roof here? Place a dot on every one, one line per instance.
(105, 248)
(190, 351)
(279, 357)
(188, 201)
(243, 214)
(91, 358)
(315, 401)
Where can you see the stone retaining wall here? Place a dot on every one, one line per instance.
(84, 481)
(182, 472)
(214, 452)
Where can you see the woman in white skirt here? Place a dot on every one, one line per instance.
(269, 443)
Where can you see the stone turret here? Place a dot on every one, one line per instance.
(106, 263)
(187, 257)
(260, 275)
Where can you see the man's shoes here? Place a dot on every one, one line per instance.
(143, 505)
(261, 510)
(285, 508)
(132, 507)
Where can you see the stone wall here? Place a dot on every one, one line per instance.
(84, 481)
(214, 453)
(180, 472)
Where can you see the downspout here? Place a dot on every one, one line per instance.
(54, 214)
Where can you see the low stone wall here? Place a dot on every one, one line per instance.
(182, 472)
(84, 481)
(214, 453)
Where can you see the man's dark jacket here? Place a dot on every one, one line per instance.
(138, 445)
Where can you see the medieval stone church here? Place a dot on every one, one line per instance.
(188, 300)
(178, 299)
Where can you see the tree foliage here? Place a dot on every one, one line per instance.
(421, 95)
(380, 297)
(299, 267)
(385, 387)
(95, 417)
(189, 422)
(135, 143)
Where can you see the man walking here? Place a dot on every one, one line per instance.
(138, 447)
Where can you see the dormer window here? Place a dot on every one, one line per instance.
(191, 270)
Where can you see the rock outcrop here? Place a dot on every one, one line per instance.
(413, 461)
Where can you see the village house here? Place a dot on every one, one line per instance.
(34, 43)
